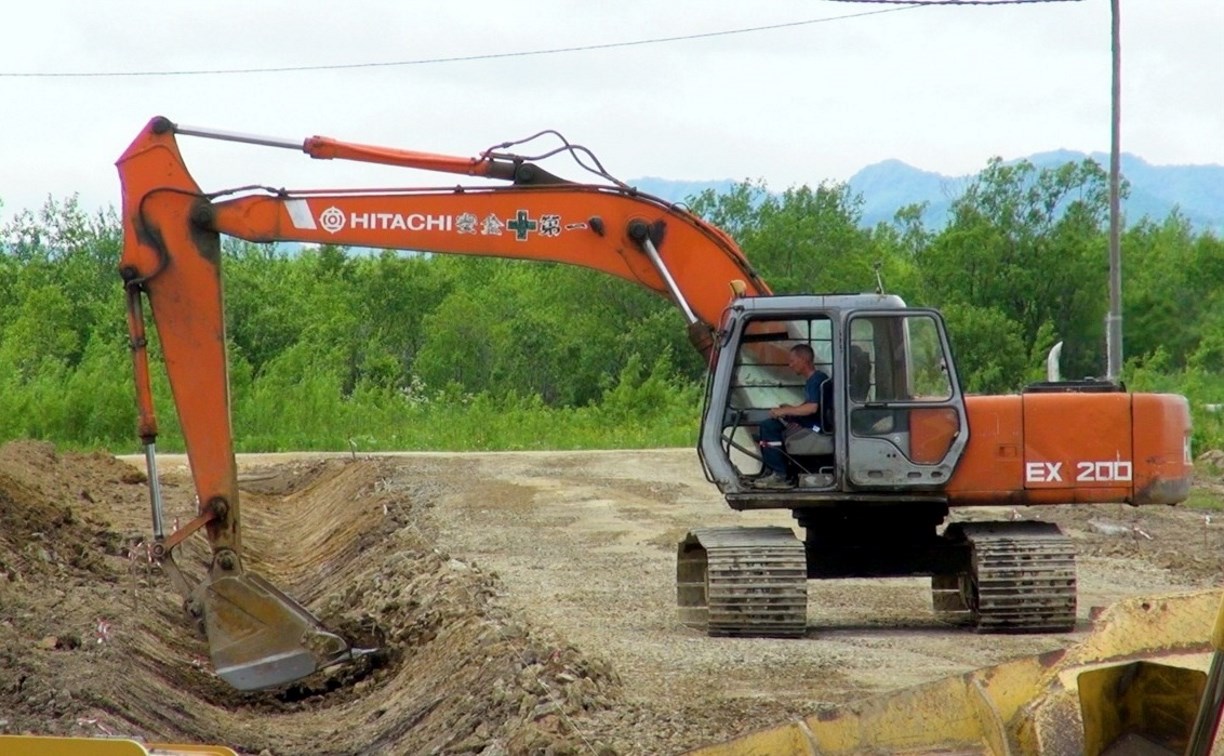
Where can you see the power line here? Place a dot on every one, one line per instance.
(913, 3)
(909, 5)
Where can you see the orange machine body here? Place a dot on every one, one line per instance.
(1063, 448)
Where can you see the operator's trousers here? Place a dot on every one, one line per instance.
(772, 435)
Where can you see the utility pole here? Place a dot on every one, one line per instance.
(1113, 321)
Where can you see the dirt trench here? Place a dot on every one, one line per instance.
(522, 603)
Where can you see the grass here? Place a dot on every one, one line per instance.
(1200, 499)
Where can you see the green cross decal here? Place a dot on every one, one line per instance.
(522, 225)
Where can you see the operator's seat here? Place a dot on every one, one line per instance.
(808, 442)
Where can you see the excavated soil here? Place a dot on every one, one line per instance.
(521, 603)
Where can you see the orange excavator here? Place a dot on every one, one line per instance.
(894, 445)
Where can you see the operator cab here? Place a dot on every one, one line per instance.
(891, 416)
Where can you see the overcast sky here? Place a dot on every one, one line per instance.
(942, 88)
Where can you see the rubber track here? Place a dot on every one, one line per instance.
(1025, 575)
(756, 581)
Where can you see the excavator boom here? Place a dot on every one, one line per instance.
(258, 636)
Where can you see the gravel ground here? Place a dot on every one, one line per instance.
(524, 603)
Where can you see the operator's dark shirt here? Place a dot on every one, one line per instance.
(811, 393)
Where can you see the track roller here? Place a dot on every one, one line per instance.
(1021, 579)
(743, 581)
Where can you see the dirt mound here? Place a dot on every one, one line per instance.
(93, 642)
(50, 517)
(58, 547)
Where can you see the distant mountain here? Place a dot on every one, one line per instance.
(888, 186)
(1198, 190)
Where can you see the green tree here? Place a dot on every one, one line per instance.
(1173, 288)
(265, 310)
(399, 292)
(802, 241)
(553, 331)
(1029, 244)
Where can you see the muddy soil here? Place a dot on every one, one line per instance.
(521, 602)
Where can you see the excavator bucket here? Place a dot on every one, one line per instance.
(1141, 707)
(260, 638)
(1132, 686)
(42, 745)
(1148, 707)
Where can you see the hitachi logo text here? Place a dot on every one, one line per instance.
(399, 222)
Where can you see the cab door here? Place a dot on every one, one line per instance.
(907, 426)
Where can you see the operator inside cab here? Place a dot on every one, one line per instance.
(787, 419)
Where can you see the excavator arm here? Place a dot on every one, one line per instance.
(259, 637)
